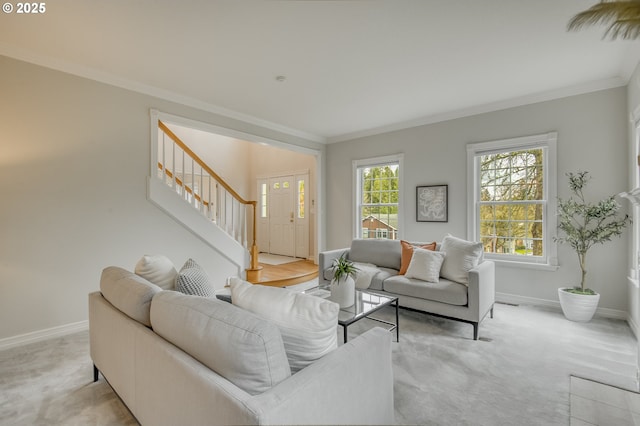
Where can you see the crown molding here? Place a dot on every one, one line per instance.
(113, 80)
(564, 92)
(135, 86)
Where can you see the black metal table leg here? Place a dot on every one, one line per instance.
(397, 323)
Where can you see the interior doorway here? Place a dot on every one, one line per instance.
(242, 160)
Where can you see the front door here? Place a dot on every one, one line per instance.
(281, 216)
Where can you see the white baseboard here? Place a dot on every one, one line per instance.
(524, 300)
(38, 336)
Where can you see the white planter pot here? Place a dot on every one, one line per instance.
(578, 307)
(343, 292)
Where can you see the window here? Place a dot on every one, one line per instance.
(378, 188)
(512, 198)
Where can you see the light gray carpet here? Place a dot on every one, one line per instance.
(519, 373)
(51, 383)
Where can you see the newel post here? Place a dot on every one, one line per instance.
(255, 270)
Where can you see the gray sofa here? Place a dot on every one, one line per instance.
(467, 303)
(185, 360)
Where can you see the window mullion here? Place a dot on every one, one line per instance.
(506, 183)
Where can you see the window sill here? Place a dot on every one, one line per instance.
(524, 265)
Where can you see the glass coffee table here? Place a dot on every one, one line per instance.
(366, 303)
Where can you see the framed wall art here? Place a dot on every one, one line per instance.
(432, 204)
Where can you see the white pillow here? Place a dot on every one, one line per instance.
(308, 324)
(158, 269)
(425, 265)
(461, 257)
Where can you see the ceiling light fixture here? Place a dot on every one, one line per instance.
(280, 78)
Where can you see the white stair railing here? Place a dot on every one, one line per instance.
(191, 178)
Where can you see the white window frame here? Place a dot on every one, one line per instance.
(357, 185)
(548, 142)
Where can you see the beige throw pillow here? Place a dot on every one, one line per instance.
(158, 269)
(425, 265)
(460, 257)
(308, 324)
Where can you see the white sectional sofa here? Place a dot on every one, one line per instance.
(187, 360)
(469, 299)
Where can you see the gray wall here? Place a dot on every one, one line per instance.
(592, 135)
(74, 159)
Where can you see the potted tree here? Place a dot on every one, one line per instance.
(343, 285)
(585, 224)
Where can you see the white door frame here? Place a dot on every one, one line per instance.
(264, 222)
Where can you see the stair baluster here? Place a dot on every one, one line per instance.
(226, 209)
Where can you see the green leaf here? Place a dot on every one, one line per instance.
(343, 267)
(582, 224)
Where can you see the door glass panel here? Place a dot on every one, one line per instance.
(285, 184)
(263, 200)
(301, 199)
(276, 185)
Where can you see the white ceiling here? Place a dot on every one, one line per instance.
(353, 67)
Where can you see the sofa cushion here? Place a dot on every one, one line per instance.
(444, 291)
(158, 269)
(376, 281)
(384, 253)
(407, 252)
(308, 323)
(192, 279)
(236, 344)
(460, 257)
(129, 293)
(425, 265)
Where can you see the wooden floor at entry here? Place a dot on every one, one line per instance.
(288, 274)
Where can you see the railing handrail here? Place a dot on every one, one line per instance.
(202, 164)
(254, 267)
(186, 187)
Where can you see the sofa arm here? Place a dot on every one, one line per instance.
(325, 261)
(351, 385)
(482, 289)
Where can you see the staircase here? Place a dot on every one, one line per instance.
(181, 171)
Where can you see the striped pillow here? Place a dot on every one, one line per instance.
(192, 279)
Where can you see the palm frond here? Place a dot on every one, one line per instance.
(623, 17)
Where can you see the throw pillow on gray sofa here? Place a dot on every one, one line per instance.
(460, 257)
(425, 265)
